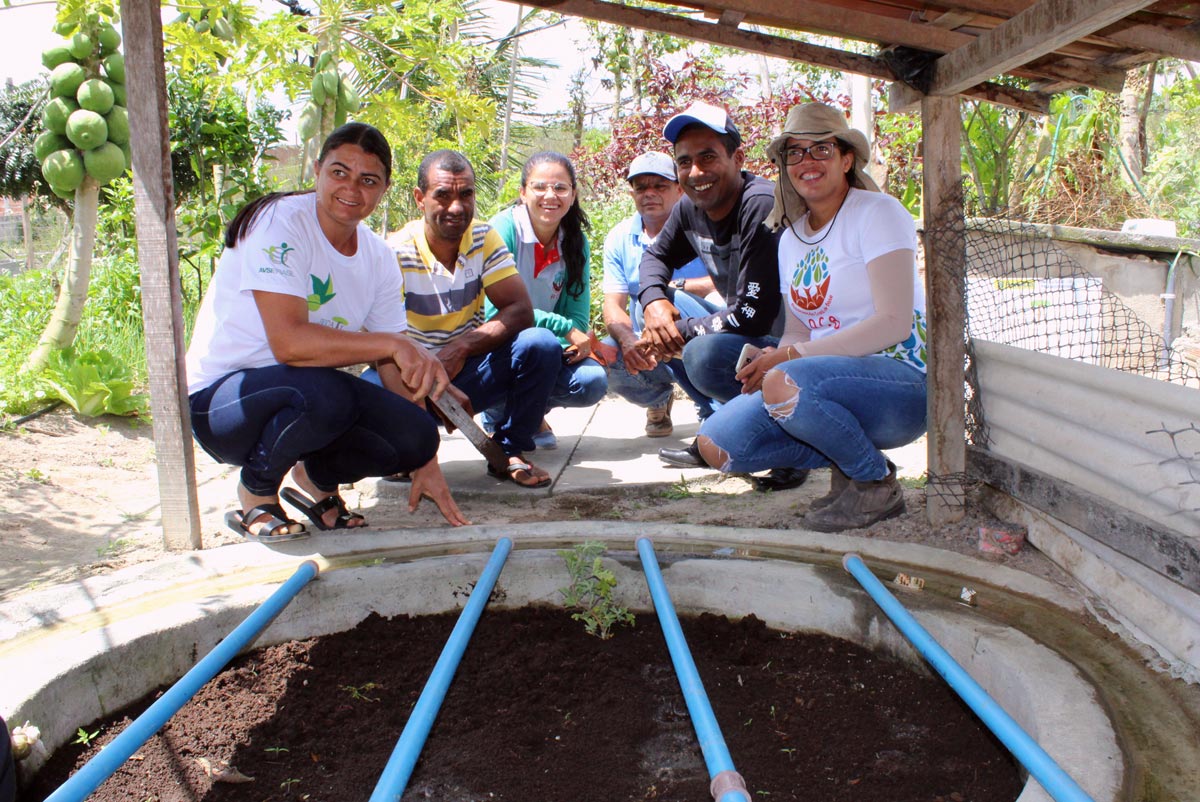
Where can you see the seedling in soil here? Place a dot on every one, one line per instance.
(287, 784)
(83, 737)
(679, 490)
(591, 590)
(359, 694)
(276, 751)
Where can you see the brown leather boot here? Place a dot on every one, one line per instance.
(860, 504)
(837, 483)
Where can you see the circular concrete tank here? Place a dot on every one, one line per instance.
(77, 652)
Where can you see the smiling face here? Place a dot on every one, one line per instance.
(546, 208)
(448, 205)
(820, 181)
(708, 173)
(654, 197)
(349, 185)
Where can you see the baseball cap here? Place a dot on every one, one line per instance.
(704, 114)
(652, 163)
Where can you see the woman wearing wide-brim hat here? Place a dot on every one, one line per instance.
(848, 377)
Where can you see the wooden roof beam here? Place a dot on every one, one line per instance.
(1037, 31)
(822, 18)
(750, 41)
(1182, 43)
(902, 98)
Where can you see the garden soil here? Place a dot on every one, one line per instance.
(542, 712)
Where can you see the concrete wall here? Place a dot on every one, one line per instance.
(1128, 439)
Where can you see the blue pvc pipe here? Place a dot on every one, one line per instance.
(400, 765)
(111, 757)
(708, 732)
(1039, 764)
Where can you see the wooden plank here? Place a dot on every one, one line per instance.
(1182, 43)
(750, 41)
(1038, 30)
(903, 98)
(1166, 552)
(945, 303)
(158, 255)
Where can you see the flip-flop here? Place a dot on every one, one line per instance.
(315, 510)
(510, 474)
(275, 529)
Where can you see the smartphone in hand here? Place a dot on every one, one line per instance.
(749, 352)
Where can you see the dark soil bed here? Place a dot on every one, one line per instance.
(541, 712)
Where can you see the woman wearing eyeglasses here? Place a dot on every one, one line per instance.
(848, 377)
(545, 231)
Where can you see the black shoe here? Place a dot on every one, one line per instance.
(683, 457)
(780, 479)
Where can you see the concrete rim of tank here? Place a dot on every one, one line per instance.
(106, 640)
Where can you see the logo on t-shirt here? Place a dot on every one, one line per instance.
(810, 282)
(560, 281)
(278, 253)
(322, 292)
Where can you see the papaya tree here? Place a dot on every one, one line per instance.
(84, 146)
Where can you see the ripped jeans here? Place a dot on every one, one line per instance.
(844, 411)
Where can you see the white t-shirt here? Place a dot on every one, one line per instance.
(286, 252)
(825, 283)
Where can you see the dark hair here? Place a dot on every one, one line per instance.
(449, 160)
(573, 224)
(732, 140)
(365, 136)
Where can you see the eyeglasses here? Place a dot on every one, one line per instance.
(820, 152)
(559, 188)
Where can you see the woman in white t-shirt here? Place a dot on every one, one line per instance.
(848, 377)
(302, 289)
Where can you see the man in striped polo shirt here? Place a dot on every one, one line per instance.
(449, 262)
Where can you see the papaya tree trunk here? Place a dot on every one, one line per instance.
(64, 322)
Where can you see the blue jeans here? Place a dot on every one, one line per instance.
(711, 361)
(342, 428)
(846, 409)
(580, 385)
(517, 377)
(653, 388)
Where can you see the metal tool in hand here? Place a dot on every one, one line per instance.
(489, 448)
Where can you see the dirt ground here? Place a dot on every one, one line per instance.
(80, 497)
(541, 712)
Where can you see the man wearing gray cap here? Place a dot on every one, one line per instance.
(634, 372)
(720, 219)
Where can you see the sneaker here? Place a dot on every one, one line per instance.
(545, 439)
(658, 420)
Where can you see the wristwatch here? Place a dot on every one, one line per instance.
(679, 283)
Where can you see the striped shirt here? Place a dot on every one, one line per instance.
(445, 304)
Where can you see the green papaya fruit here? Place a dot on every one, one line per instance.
(95, 95)
(203, 26)
(53, 56)
(114, 67)
(109, 38)
(323, 61)
(80, 45)
(104, 163)
(56, 113)
(86, 129)
(66, 78)
(63, 169)
(118, 94)
(318, 89)
(48, 142)
(331, 81)
(309, 121)
(118, 125)
(222, 29)
(347, 97)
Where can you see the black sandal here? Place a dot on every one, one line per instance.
(315, 510)
(275, 529)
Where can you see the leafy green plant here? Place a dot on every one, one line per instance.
(591, 590)
(679, 490)
(359, 693)
(83, 737)
(93, 383)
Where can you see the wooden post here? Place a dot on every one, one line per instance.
(158, 255)
(945, 277)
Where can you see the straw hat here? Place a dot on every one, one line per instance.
(814, 121)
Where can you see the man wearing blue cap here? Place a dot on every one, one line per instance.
(634, 373)
(720, 219)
